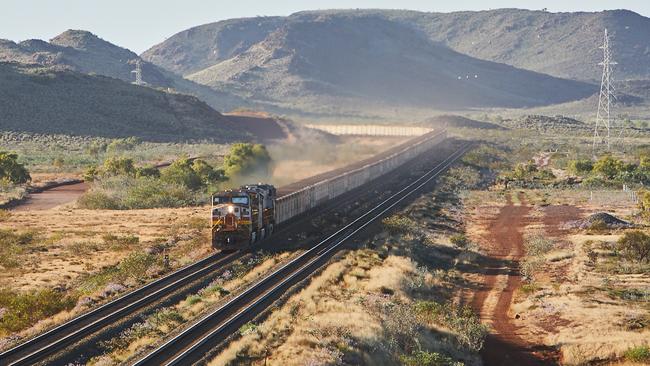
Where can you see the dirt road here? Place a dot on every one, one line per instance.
(53, 197)
(503, 243)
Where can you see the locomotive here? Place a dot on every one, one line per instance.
(242, 216)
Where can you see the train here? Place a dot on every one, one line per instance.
(250, 213)
(241, 217)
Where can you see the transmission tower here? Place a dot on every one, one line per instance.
(138, 73)
(605, 98)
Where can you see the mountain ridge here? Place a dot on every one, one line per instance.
(530, 39)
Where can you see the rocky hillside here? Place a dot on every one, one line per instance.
(356, 61)
(49, 101)
(84, 52)
(560, 44)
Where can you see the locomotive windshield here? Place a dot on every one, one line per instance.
(240, 200)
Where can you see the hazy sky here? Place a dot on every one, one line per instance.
(139, 24)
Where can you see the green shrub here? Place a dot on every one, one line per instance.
(207, 173)
(180, 172)
(581, 167)
(422, 358)
(11, 170)
(638, 354)
(608, 166)
(98, 200)
(397, 224)
(247, 159)
(90, 174)
(147, 171)
(126, 193)
(124, 144)
(118, 166)
(25, 309)
(635, 245)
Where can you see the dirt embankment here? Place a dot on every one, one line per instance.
(503, 243)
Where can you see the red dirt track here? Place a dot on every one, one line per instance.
(504, 245)
(52, 197)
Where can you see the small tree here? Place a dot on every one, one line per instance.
(181, 172)
(119, 166)
(207, 172)
(608, 166)
(247, 159)
(524, 171)
(11, 170)
(635, 245)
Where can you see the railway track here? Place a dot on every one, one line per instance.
(38, 348)
(45, 346)
(190, 345)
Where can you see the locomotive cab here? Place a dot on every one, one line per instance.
(243, 216)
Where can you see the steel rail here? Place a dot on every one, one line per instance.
(180, 349)
(38, 348)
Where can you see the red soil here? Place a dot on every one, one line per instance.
(504, 246)
(52, 197)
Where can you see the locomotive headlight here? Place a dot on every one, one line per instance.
(231, 209)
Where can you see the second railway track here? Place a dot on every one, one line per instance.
(190, 345)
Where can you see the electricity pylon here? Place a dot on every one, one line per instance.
(605, 98)
(138, 73)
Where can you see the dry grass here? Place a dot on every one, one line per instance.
(359, 310)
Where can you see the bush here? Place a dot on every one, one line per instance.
(180, 172)
(608, 166)
(152, 193)
(581, 167)
(98, 200)
(124, 144)
(25, 309)
(118, 166)
(459, 240)
(11, 170)
(90, 174)
(397, 224)
(638, 354)
(125, 193)
(147, 171)
(422, 358)
(135, 266)
(635, 245)
(12, 245)
(247, 159)
(462, 321)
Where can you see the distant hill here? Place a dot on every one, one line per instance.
(84, 52)
(317, 62)
(61, 101)
(560, 44)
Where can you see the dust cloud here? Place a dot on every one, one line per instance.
(296, 160)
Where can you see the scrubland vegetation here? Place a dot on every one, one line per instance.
(119, 184)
